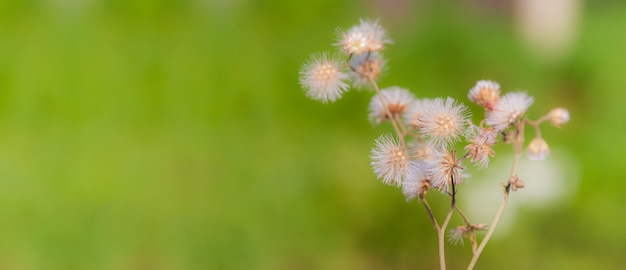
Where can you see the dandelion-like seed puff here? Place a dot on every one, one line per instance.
(415, 112)
(390, 161)
(417, 184)
(485, 93)
(323, 78)
(443, 121)
(367, 36)
(443, 169)
(397, 101)
(508, 110)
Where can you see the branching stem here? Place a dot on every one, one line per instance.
(441, 235)
(517, 145)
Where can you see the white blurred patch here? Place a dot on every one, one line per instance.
(548, 184)
(548, 26)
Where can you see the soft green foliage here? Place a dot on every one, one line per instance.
(174, 135)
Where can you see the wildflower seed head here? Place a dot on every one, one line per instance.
(443, 121)
(558, 116)
(485, 93)
(390, 161)
(480, 147)
(508, 110)
(538, 149)
(366, 66)
(323, 78)
(393, 100)
(443, 169)
(416, 185)
(415, 112)
(367, 36)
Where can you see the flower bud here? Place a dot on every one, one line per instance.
(485, 93)
(538, 149)
(558, 116)
(516, 183)
(479, 227)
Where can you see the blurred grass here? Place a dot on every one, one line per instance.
(174, 135)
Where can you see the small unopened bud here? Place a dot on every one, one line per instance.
(558, 116)
(538, 149)
(480, 227)
(516, 183)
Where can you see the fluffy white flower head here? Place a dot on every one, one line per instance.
(395, 100)
(485, 93)
(443, 121)
(391, 162)
(443, 168)
(323, 79)
(413, 115)
(415, 185)
(508, 110)
(367, 36)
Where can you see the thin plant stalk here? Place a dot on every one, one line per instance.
(462, 214)
(441, 236)
(492, 228)
(517, 145)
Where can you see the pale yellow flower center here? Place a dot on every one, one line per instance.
(399, 157)
(326, 73)
(513, 117)
(356, 42)
(446, 125)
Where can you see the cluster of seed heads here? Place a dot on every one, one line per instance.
(422, 154)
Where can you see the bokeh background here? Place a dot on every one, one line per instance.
(155, 134)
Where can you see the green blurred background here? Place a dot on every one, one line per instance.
(174, 135)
